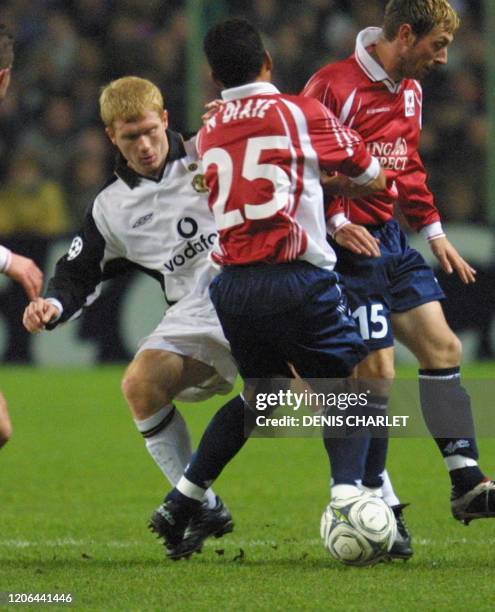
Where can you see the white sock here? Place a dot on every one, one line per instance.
(456, 462)
(189, 489)
(375, 491)
(388, 493)
(211, 498)
(345, 491)
(169, 443)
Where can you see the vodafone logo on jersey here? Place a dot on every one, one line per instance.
(187, 227)
(391, 155)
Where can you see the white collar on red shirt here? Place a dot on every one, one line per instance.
(258, 88)
(371, 67)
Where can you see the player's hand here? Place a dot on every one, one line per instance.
(211, 109)
(38, 314)
(25, 271)
(451, 261)
(358, 239)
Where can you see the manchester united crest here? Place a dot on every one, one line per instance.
(199, 183)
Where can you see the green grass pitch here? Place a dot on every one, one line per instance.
(77, 487)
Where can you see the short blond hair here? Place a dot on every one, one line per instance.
(422, 15)
(128, 99)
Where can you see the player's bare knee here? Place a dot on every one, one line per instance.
(144, 393)
(130, 386)
(5, 423)
(5, 431)
(385, 371)
(445, 352)
(5, 436)
(442, 353)
(139, 395)
(452, 350)
(377, 368)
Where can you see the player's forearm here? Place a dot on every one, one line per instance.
(378, 184)
(69, 292)
(373, 179)
(341, 185)
(68, 300)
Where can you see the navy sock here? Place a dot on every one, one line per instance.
(376, 457)
(347, 456)
(224, 437)
(447, 412)
(347, 447)
(446, 408)
(347, 450)
(376, 460)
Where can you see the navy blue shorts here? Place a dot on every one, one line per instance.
(294, 313)
(376, 287)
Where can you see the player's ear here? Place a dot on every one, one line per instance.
(268, 61)
(165, 118)
(111, 134)
(406, 35)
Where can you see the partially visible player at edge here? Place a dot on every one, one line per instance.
(19, 268)
(377, 92)
(152, 215)
(277, 297)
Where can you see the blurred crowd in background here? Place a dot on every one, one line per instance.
(54, 156)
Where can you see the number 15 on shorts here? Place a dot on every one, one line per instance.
(372, 323)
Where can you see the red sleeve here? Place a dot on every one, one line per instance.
(319, 88)
(415, 198)
(334, 206)
(339, 148)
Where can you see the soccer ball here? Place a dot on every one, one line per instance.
(359, 530)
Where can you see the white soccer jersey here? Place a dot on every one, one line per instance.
(162, 226)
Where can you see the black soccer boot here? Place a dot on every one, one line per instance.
(208, 522)
(477, 503)
(402, 546)
(193, 527)
(169, 521)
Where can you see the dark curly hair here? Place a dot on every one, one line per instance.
(235, 52)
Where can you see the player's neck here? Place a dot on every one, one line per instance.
(265, 76)
(152, 174)
(385, 53)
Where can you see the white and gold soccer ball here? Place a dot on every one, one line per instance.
(359, 530)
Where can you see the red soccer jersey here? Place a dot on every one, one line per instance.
(388, 117)
(262, 154)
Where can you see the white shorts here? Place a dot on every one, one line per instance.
(191, 328)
